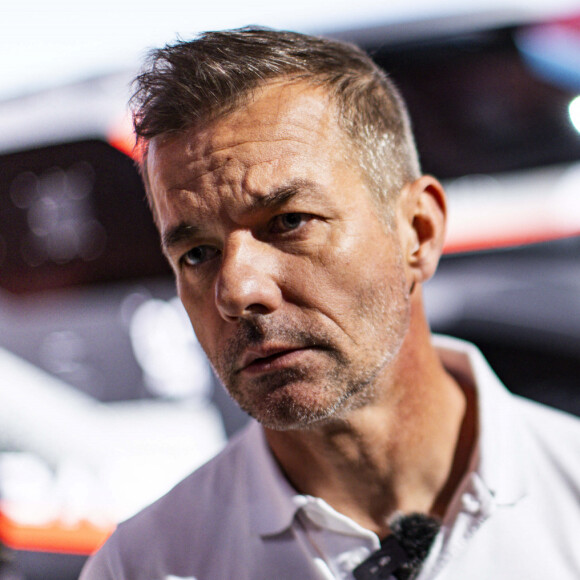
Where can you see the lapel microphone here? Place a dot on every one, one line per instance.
(403, 552)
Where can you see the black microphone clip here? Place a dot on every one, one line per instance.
(401, 554)
(381, 564)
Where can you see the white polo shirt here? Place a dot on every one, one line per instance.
(516, 514)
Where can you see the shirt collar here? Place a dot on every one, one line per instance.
(273, 501)
(497, 460)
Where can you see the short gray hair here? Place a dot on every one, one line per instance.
(200, 80)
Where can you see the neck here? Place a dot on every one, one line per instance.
(404, 451)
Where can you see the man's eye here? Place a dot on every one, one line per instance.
(199, 255)
(288, 222)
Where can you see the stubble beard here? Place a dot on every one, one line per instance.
(284, 399)
(305, 397)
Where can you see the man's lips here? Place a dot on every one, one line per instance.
(259, 359)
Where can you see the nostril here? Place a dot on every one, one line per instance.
(257, 309)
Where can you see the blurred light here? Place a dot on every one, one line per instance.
(61, 220)
(65, 353)
(26, 488)
(565, 199)
(574, 112)
(469, 185)
(551, 50)
(166, 348)
(130, 304)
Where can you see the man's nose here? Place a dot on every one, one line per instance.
(246, 283)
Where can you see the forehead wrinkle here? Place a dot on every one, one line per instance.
(209, 150)
(186, 230)
(203, 149)
(207, 164)
(201, 145)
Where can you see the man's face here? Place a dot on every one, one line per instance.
(295, 288)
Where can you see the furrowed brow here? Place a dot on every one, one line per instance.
(278, 197)
(177, 235)
(184, 232)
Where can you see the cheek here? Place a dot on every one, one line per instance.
(363, 283)
(326, 282)
(200, 314)
(358, 260)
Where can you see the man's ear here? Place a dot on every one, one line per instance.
(423, 207)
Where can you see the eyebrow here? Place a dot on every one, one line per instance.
(185, 231)
(278, 196)
(178, 234)
(284, 193)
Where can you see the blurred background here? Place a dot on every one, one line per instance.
(106, 399)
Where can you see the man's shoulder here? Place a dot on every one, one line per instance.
(550, 449)
(552, 436)
(555, 433)
(203, 507)
(202, 490)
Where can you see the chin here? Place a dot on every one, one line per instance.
(298, 407)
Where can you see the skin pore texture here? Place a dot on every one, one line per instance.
(309, 306)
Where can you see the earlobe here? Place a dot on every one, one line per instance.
(426, 211)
